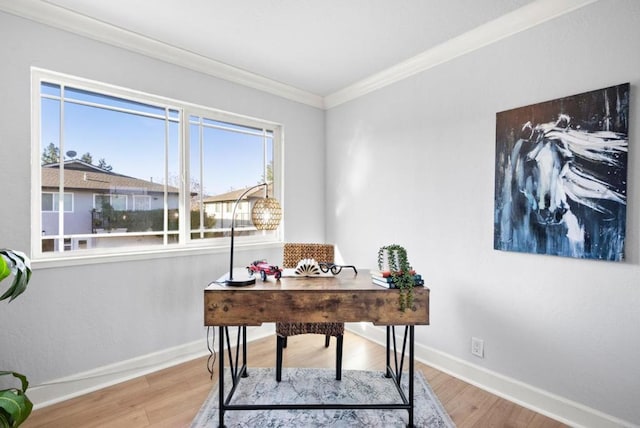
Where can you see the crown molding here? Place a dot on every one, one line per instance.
(64, 19)
(522, 19)
(519, 20)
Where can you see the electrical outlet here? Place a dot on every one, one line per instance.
(477, 347)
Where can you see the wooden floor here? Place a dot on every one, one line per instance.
(172, 397)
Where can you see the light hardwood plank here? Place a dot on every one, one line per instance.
(172, 397)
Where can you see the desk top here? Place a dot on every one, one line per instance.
(343, 298)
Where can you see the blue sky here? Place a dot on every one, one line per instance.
(134, 145)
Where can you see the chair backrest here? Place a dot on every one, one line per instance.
(293, 253)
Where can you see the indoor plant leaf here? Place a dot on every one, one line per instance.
(24, 383)
(395, 258)
(21, 268)
(15, 407)
(4, 268)
(4, 419)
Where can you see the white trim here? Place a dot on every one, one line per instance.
(522, 19)
(83, 383)
(185, 109)
(53, 197)
(59, 17)
(146, 254)
(541, 401)
(544, 402)
(145, 198)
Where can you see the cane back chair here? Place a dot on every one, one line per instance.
(322, 253)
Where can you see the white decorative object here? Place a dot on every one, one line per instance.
(308, 267)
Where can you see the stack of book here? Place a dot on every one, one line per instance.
(385, 279)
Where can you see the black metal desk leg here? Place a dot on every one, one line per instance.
(244, 351)
(388, 372)
(411, 368)
(221, 377)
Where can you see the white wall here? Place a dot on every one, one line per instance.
(79, 318)
(412, 164)
(417, 169)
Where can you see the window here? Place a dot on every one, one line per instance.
(248, 160)
(141, 202)
(51, 201)
(115, 155)
(116, 202)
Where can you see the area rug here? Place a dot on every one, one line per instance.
(300, 385)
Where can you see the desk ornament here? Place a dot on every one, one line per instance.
(334, 268)
(394, 264)
(308, 267)
(264, 269)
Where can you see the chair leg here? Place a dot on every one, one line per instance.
(339, 358)
(326, 340)
(280, 343)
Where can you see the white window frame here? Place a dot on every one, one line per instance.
(186, 109)
(55, 200)
(137, 199)
(111, 198)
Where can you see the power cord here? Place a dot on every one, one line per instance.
(211, 361)
(211, 331)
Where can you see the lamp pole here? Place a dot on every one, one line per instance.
(230, 280)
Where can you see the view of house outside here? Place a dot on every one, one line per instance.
(111, 170)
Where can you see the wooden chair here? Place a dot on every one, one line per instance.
(293, 253)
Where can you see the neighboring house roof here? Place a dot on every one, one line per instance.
(233, 195)
(80, 165)
(84, 176)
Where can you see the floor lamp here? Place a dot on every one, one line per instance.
(265, 215)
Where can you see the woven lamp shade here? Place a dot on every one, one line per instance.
(266, 214)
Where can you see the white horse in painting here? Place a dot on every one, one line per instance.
(559, 182)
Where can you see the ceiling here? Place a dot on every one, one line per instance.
(316, 47)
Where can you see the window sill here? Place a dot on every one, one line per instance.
(90, 259)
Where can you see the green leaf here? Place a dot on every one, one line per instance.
(9, 291)
(4, 419)
(4, 268)
(21, 267)
(14, 406)
(24, 383)
(398, 263)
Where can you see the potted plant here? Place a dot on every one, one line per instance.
(15, 406)
(394, 259)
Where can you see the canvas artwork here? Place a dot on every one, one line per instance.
(561, 176)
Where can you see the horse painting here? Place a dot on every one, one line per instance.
(561, 184)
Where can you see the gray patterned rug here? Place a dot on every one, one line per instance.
(319, 386)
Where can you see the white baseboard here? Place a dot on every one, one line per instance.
(544, 402)
(68, 387)
(538, 400)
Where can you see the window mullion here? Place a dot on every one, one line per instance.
(185, 182)
(201, 177)
(264, 157)
(60, 237)
(166, 177)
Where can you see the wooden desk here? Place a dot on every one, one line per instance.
(343, 298)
